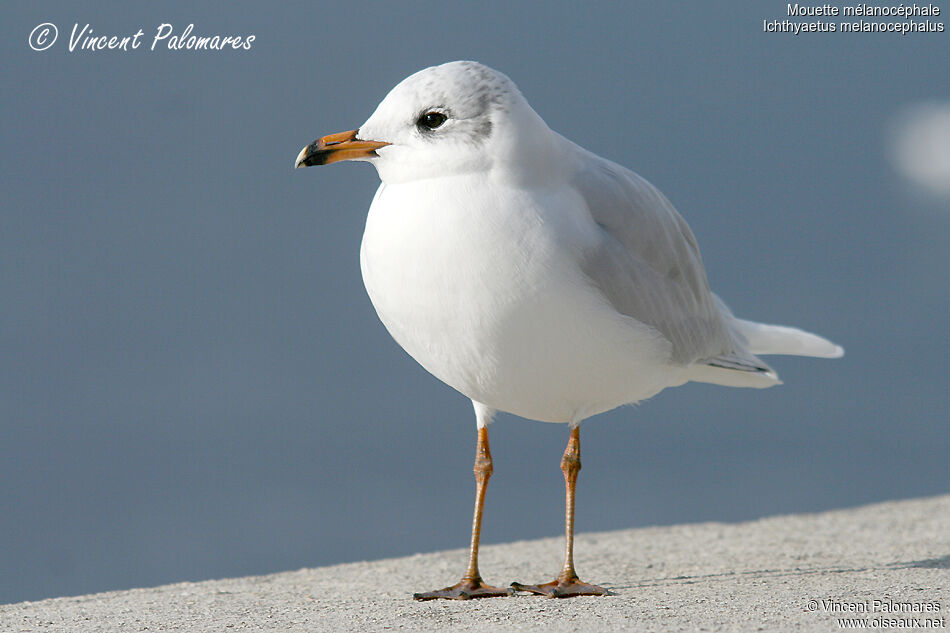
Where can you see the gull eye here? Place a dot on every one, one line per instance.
(431, 119)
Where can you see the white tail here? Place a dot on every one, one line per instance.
(742, 368)
(781, 339)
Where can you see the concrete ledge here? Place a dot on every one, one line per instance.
(798, 573)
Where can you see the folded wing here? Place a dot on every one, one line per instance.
(648, 266)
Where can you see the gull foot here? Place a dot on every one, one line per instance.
(561, 588)
(464, 590)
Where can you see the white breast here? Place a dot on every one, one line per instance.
(479, 286)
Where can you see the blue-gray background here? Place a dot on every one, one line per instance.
(193, 383)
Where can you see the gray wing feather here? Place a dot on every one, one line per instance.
(647, 263)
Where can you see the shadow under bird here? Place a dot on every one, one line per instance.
(533, 276)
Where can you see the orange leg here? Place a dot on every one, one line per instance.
(471, 585)
(567, 584)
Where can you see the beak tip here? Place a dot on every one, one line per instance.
(301, 160)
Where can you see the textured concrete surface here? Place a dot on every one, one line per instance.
(886, 564)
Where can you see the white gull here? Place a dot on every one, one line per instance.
(533, 276)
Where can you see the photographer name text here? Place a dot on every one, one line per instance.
(84, 38)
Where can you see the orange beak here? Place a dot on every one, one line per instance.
(336, 147)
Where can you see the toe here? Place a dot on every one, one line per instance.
(562, 589)
(464, 590)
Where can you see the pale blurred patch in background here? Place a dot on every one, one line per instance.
(921, 146)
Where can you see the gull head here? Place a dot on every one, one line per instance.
(457, 118)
